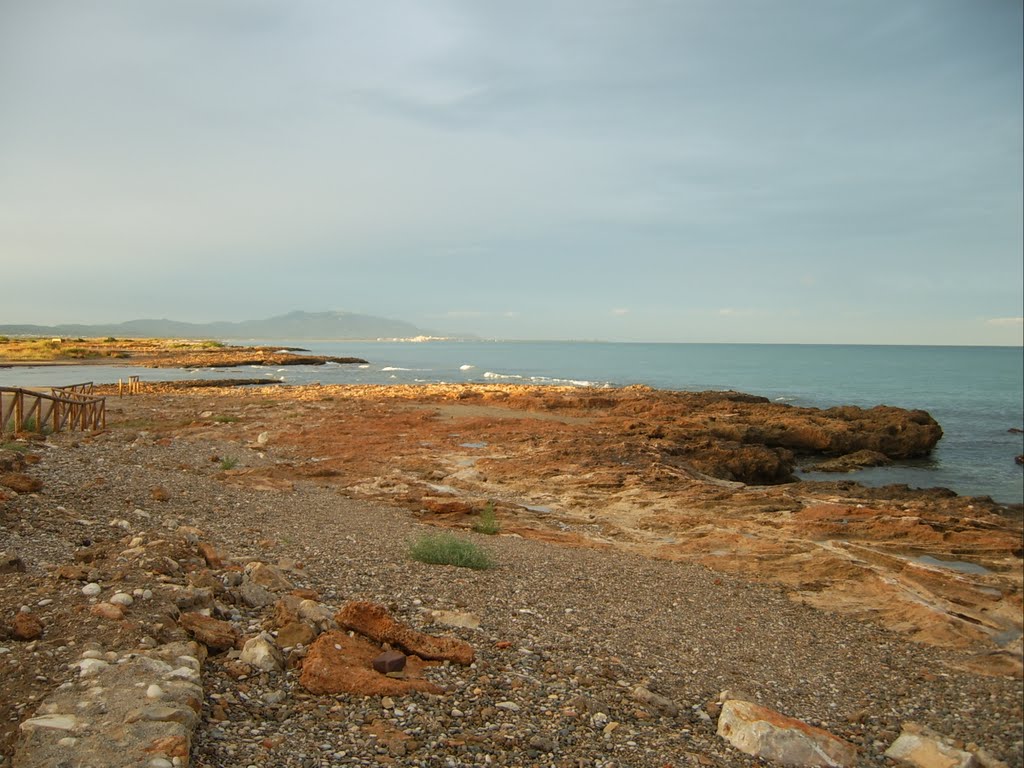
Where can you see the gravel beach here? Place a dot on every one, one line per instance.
(566, 635)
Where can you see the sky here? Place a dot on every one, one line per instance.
(791, 171)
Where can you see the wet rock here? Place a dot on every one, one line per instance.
(852, 462)
(373, 621)
(767, 734)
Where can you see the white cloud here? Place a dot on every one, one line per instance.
(620, 312)
(1005, 321)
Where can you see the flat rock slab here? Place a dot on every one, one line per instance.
(764, 733)
(922, 750)
(137, 712)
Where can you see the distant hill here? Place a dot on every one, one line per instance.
(294, 325)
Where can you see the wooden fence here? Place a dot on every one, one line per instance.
(70, 407)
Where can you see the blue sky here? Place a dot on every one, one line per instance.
(789, 171)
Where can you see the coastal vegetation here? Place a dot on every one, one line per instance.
(487, 523)
(447, 549)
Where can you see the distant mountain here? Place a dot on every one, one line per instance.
(294, 325)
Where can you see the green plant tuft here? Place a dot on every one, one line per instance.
(488, 522)
(446, 549)
(228, 463)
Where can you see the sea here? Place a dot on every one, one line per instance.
(975, 393)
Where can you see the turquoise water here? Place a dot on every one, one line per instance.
(975, 393)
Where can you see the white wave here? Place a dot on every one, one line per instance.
(466, 367)
(364, 365)
(570, 382)
(492, 375)
(394, 368)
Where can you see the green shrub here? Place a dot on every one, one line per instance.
(488, 522)
(228, 463)
(446, 549)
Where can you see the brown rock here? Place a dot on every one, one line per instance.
(159, 493)
(11, 461)
(286, 611)
(11, 563)
(210, 555)
(206, 579)
(73, 573)
(20, 482)
(172, 746)
(296, 633)
(268, 576)
(26, 626)
(107, 611)
(337, 663)
(373, 621)
(214, 634)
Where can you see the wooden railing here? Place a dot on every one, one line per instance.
(71, 407)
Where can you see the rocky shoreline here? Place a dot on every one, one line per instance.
(573, 664)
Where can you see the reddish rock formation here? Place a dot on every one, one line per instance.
(373, 621)
(337, 663)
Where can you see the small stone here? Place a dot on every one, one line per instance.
(91, 589)
(509, 706)
(159, 493)
(389, 661)
(154, 692)
(91, 667)
(261, 653)
(107, 611)
(122, 598)
(160, 762)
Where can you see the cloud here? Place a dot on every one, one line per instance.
(620, 312)
(1005, 321)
